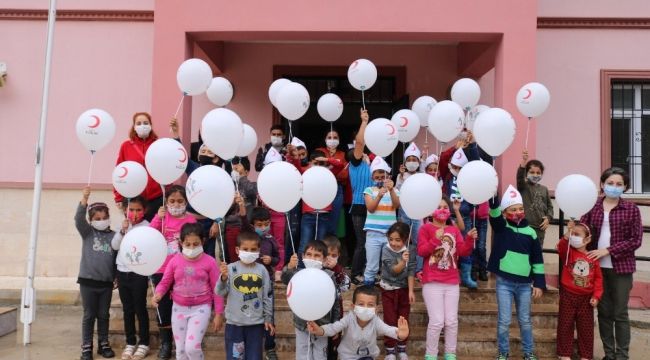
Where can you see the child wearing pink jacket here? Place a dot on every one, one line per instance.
(192, 275)
(440, 243)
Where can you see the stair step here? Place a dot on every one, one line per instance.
(8, 320)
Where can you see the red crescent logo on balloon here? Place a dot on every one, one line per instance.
(354, 64)
(125, 172)
(97, 121)
(459, 156)
(289, 290)
(513, 194)
(184, 159)
(392, 129)
(528, 94)
(406, 121)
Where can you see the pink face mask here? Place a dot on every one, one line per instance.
(134, 218)
(441, 214)
(516, 217)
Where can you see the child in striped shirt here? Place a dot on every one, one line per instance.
(382, 200)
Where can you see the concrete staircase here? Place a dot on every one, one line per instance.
(476, 335)
(8, 317)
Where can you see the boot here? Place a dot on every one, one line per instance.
(482, 275)
(165, 351)
(465, 276)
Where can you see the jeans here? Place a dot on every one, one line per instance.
(480, 253)
(415, 228)
(133, 294)
(613, 319)
(375, 241)
(310, 347)
(96, 303)
(521, 292)
(337, 205)
(359, 257)
(244, 342)
(311, 229)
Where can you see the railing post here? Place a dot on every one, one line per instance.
(560, 264)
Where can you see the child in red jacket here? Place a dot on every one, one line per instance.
(582, 288)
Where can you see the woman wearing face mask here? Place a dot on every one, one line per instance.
(141, 136)
(617, 233)
(537, 201)
(333, 154)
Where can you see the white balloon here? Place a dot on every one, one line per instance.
(248, 142)
(576, 194)
(130, 179)
(419, 196)
(279, 185)
(477, 182)
(310, 294)
(494, 131)
(422, 106)
(318, 187)
(381, 137)
(446, 120)
(222, 132)
(362, 74)
(407, 123)
(95, 129)
(274, 89)
(466, 93)
(533, 99)
(220, 91)
(194, 77)
(210, 191)
(292, 101)
(166, 160)
(473, 114)
(143, 250)
(330, 107)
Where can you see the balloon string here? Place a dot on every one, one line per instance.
(293, 248)
(439, 151)
(180, 103)
(527, 130)
(153, 292)
(126, 213)
(162, 221)
(426, 142)
(331, 127)
(408, 242)
(316, 232)
(223, 249)
(290, 132)
(232, 167)
(363, 100)
(90, 168)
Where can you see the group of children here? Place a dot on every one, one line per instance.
(193, 290)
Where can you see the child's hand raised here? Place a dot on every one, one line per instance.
(85, 194)
(214, 230)
(524, 155)
(223, 268)
(364, 115)
(456, 204)
(473, 233)
(389, 184)
(173, 126)
(313, 328)
(402, 169)
(162, 212)
(402, 328)
(293, 262)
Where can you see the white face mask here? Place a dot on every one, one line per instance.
(276, 141)
(398, 251)
(576, 242)
(192, 253)
(453, 171)
(364, 313)
(332, 143)
(143, 131)
(333, 260)
(412, 166)
(101, 225)
(312, 264)
(176, 211)
(248, 257)
(235, 175)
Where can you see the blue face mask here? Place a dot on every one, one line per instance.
(262, 231)
(613, 192)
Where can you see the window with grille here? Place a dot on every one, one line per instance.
(630, 141)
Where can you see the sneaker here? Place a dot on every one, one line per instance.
(449, 356)
(105, 351)
(127, 354)
(358, 280)
(390, 357)
(271, 355)
(430, 357)
(530, 357)
(402, 355)
(86, 352)
(482, 275)
(141, 352)
(502, 356)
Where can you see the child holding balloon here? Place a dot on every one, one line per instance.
(170, 219)
(410, 167)
(96, 273)
(397, 283)
(441, 244)
(361, 327)
(132, 286)
(537, 201)
(192, 276)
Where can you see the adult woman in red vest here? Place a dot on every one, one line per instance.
(141, 136)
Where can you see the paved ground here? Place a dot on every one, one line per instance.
(56, 334)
